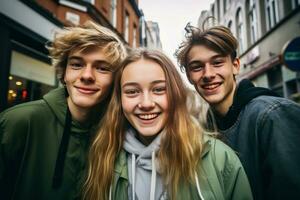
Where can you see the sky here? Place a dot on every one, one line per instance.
(172, 16)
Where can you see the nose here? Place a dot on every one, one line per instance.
(87, 74)
(208, 73)
(146, 102)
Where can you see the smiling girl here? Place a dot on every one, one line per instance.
(149, 147)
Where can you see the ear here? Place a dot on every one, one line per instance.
(236, 66)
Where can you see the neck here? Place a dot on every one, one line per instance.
(223, 107)
(78, 113)
(146, 140)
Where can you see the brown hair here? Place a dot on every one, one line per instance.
(216, 38)
(181, 142)
(88, 35)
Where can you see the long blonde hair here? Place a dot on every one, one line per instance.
(181, 144)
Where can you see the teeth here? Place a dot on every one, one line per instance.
(148, 116)
(212, 86)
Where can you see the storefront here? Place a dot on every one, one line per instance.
(28, 79)
(26, 73)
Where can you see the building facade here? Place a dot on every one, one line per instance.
(263, 29)
(150, 34)
(26, 26)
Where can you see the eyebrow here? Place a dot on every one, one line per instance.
(81, 59)
(199, 61)
(136, 84)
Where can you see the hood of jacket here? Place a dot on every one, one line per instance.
(57, 101)
(244, 93)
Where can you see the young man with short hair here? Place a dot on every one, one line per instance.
(262, 128)
(44, 143)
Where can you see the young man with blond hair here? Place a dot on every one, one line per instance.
(44, 143)
(261, 127)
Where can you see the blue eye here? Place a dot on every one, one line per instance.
(159, 90)
(131, 92)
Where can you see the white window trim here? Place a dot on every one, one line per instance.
(73, 5)
(273, 21)
(126, 32)
(295, 4)
(134, 37)
(113, 6)
(240, 31)
(252, 22)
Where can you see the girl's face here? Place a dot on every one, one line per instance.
(144, 98)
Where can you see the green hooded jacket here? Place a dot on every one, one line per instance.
(220, 174)
(30, 136)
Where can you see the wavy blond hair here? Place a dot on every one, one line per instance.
(181, 144)
(83, 37)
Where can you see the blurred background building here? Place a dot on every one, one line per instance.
(150, 35)
(264, 28)
(26, 26)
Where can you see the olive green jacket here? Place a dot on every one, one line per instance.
(220, 174)
(30, 136)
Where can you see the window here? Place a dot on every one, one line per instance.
(126, 27)
(134, 36)
(230, 25)
(113, 12)
(272, 13)
(239, 31)
(29, 79)
(90, 1)
(226, 5)
(275, 80)
(252, 22)
(213, 10)
(295, 4)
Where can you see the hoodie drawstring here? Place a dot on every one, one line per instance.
(133, 175)
(62, 151)
(110, 192)
(198, 187)
(153, 176)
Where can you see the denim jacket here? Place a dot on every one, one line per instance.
(266, 136)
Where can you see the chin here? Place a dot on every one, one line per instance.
(85, 104)
(146, 132)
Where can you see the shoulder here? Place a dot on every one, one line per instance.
(21, 117)
(24, 111)
(267, 107)
(268, 103)
(221, 154)
(225, 170)
(273, 108)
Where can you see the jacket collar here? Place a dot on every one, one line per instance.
(121, 167)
